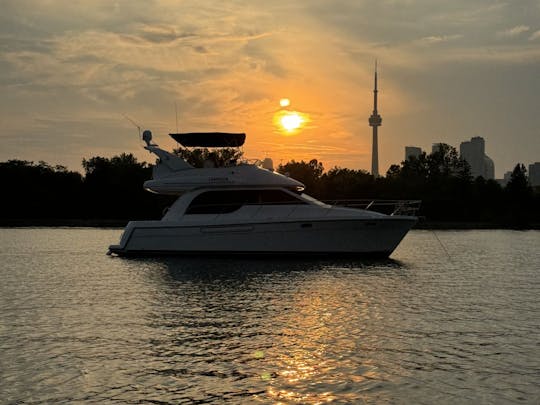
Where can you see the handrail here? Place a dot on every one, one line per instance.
(392, 207)
(389, 207)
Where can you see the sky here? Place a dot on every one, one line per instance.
(70, 71)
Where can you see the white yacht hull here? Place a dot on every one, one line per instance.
(371, 236)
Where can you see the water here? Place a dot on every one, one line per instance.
(77, 326)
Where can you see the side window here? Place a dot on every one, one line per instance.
(214, 202)
(275, 197)
(222, 202)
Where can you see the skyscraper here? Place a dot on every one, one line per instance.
(412, 151)
(375, 121)
(534, 174)
(474, 152)
(489, 168)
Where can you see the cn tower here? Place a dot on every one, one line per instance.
(375, 121)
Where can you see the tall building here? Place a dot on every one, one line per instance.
(375, 121)
(489, 168)
(474, 152)
(412, 151)
(534, 174)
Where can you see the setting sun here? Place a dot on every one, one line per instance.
(291, 121)
(287, 121)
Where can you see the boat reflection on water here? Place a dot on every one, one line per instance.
(192, 268)
(283, 330)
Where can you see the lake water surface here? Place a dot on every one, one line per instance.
(457, 322)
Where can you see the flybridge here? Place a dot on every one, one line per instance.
(210, 139)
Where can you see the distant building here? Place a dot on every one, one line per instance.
(534, 174)
(489, 168)
(436, 146)
(412, 151)
(474, 152)
(504, 181)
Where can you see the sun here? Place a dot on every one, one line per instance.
(284, 102)
(287, 121)
(291, 121)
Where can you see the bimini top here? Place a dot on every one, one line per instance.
(210, 139)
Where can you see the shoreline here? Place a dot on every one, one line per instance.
(454, 225)
(119, 223)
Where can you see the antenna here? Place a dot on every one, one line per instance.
(176, 111)
(134, 123)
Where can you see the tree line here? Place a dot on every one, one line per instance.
(441, 180)
(111, 189)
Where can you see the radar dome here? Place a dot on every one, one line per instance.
(147, 136)
(268, 164)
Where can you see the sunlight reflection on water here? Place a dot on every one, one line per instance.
(77, 325)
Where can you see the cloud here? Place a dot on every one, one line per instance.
(162, 33)
(227, 64)
(514, 31)
(431, 40)
(534, 36)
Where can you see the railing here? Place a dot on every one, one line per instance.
(389, 207)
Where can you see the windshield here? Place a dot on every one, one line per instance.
(313, 200)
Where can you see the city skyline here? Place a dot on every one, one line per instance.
(473, 151)
(70, 71)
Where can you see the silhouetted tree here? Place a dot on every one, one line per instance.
(341, 184)
(38, 190)
(518, 185)
(519, 198)
(307, 173)
(114, 189)
(445, 162)
(441, 180)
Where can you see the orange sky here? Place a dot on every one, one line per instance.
(448, 71)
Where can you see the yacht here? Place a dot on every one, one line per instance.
(243, 208)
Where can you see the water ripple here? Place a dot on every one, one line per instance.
(79, 327)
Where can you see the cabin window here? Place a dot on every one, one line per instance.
(225, 201)
(273, 197)
(214, 202)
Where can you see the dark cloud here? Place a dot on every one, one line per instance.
(200, 49)
(162, 34)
